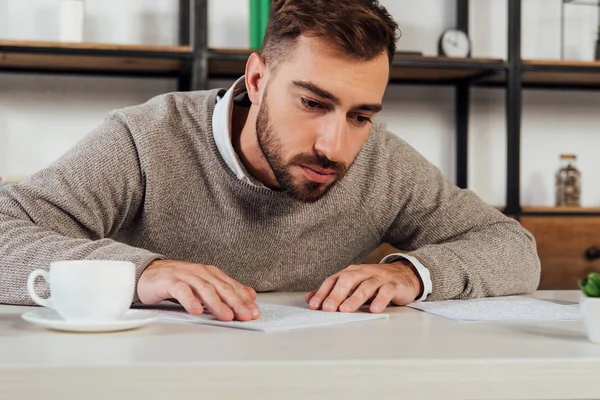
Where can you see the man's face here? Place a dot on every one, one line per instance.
(315, 115)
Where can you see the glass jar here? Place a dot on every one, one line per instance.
(568, 182)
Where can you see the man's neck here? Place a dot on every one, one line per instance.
(245, 144)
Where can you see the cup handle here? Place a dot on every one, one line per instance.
(31, 288)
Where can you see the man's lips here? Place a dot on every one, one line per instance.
(317, 174)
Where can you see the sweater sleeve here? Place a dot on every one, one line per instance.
(71, 209)
(471, 249)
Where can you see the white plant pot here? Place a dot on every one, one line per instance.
(71, 17)
(590, 310)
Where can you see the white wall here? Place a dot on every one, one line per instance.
(42, 116)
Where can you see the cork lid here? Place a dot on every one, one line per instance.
(568, 156)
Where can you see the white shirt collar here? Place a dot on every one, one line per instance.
(221, 122)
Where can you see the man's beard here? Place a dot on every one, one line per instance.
(308, 191)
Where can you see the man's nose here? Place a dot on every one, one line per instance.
(331, 140)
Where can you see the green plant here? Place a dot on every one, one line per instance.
(590, 286)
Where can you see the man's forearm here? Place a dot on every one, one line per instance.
(70, 210)
(496, 260)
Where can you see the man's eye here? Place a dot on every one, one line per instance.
(310, 104)
(361, 120)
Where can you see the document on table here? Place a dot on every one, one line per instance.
(509, 308)
(277, 318)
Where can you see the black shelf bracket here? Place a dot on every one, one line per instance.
(462, 15)
(184, 77)
(462, 106)
(185, 9)
(199, 65)
(514, 99)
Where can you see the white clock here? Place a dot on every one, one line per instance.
(454, 43)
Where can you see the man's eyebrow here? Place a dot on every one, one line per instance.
(375, 108)
(324, 94)
(318, 91)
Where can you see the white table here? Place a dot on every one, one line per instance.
(412, 355)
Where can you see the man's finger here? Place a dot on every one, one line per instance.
(224, 282)
(361, 294)
(248, 297)
(184, 295)
(251, 292)
(233, 299)
(309, 296)
(345, 284)
(235, 284)
(317, 300)
(208, 295)
(385, 294)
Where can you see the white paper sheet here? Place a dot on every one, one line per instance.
(277, 318)
(510, 308)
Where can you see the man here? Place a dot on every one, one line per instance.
(282, 183)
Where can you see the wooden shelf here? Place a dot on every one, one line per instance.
(405, 69)
(561, 210)
(99, 58)
(421, 69)
(227, 63)
(561, 74)
(27, 56)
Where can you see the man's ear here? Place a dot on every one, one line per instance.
(255, 74)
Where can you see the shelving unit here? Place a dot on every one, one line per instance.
(541, 74)
(193, 64)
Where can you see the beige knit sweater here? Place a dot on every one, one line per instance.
(149, 183)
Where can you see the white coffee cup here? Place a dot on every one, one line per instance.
(87, 290)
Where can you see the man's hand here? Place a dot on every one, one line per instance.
(349, 289)
(195, 286)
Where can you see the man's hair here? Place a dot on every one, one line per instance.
(361, 28)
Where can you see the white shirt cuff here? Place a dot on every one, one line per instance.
(423, 272)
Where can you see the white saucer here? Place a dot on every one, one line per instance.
(50, 319)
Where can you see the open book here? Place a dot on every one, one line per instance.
(509, 308)
(276, 318)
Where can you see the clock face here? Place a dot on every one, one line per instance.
(455, 43)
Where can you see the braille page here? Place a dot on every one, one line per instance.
(510, 308)
(277, 318)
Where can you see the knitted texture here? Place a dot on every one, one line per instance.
(149, 183)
